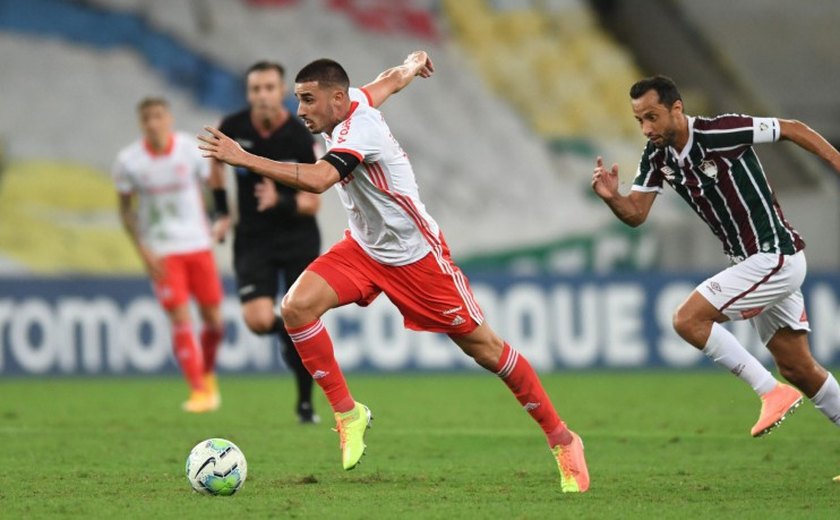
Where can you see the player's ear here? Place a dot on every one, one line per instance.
(678, 106)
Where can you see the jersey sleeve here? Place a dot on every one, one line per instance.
(731, 132)
(648, 177)
(122, 176)
(359, 136)
(361, 95)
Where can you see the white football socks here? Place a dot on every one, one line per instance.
(827, 399)
(723, 348)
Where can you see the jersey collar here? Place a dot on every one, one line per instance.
(166, 151)
(682, 154)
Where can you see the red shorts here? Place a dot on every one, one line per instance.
(189, 274)
(432, 293)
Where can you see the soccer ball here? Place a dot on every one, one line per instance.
(216, 467)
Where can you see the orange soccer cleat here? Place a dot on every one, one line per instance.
(776, 405)
(574, 475)
(199, 402)
(212, 385)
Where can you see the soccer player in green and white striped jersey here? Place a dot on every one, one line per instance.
(711, 164)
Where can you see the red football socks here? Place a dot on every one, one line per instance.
(520, 377)
(188, 355)
(211, 337)
(315, 347)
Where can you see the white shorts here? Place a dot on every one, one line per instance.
(764, 289)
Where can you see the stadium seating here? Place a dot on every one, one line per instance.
(489, 179)
(553, 63)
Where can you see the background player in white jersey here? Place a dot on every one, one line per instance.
(158, 179)
(392, 246)
(711, 163)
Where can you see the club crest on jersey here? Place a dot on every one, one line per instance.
(709, 169)
(668, 172)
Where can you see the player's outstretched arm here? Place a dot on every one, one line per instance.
(632, 209)
(397, 78)
(808, 139)
(314, 178)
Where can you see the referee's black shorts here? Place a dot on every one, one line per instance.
(259, 266)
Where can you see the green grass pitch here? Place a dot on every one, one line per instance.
(659, 444)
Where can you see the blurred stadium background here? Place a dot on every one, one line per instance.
(503, 139)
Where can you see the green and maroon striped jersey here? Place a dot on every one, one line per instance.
(719, 175)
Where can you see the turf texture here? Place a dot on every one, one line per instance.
(660, 444)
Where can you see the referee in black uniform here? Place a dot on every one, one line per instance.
(276, 234)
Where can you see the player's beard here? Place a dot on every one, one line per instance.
(668, 139)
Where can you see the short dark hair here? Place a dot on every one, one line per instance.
(152, 101)
(663, 85)
(266, 65)
(326, 72)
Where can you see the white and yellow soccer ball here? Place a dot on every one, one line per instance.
(216, 467)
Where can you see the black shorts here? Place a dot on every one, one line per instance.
(259, 267)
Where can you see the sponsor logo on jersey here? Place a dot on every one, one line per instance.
(668, 172)
(709, 169)
(345, 129)
(714, 287)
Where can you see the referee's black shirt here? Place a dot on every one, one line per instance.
(280, 226)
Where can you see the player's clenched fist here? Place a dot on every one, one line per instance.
(221, 147)
(421, 64)
(605, 182)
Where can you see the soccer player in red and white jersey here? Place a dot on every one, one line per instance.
(393, 246)
(711, 163)
(160, 174)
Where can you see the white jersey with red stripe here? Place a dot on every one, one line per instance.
(386, 216)
(171, 212)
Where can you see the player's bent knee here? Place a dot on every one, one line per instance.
(298, 311)
(260, 323)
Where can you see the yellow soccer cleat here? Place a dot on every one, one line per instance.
(776, 406)
(199, 402)
(574, 475)
(351, 427)
(212, 386)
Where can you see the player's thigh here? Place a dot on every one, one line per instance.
(482, 344)
(432, 295)
(789, 314)
(294, 267)
(203, 279)
(172, 289)
(351, 274)
(744, 290)
(308, 299)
